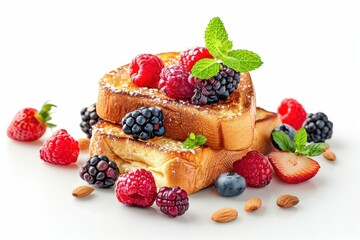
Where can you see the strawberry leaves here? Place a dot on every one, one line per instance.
(299, 145)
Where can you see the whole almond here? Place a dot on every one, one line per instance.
(224, 215)
(329, 155)
(252, 204)
(82, 191)
(287, 201)
(84, 143)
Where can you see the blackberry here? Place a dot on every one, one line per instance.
(144, 123)
(100, 171)
(318, 127)
(89, 117)
(172, 201)
(216, 88)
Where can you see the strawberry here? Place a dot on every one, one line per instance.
(30, 124)
(293, 168)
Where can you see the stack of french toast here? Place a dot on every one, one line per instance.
(231, 127)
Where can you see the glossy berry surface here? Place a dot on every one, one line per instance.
(285, 128)
(144, 123)
(292, 112)
(172, 201)
(89, 118)
(100, 171)
(136, 188)
(215, 89)
(174, 82)
(255, 168)
(318, 127)
(29, 124)
(145, 70)
(189, 57)
(60, 149)
(230, 184)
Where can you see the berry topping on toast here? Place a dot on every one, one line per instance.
(145, 70)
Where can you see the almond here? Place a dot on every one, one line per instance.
(329, 155)
(82, 191)
(287, 201)
(224, 215)
(84, 143)
(252, 204)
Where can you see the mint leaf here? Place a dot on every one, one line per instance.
(315, 149)
(284, 141)
(188, 143)
(300, 139)
(242, 60)
(194, 140)
(216, 38)
(200, 140)
(205, 68)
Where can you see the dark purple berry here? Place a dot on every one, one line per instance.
(172, 201)
(89, 117)
(144, 123)
(99, 171)
(318, 127)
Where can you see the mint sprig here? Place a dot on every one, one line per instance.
(220, 47)
(194, 140)
(298, 146)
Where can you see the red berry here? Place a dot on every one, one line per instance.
(60, 149)
(189, 57)
(292, 112)
(292, 168)
(172, 201)
(136, 188)
(29, 124)
(174, 82)
(145, 70)
(255, 168)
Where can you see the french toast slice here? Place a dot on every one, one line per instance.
(170, 163)
(227, 125)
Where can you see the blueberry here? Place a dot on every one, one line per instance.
(287, 129)
(230, 184)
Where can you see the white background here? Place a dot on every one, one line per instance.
(58, 50)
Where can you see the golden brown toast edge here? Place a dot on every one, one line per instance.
(170, 164)
(227, 125)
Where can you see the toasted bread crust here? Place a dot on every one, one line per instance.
(170, 163)
(227, 125)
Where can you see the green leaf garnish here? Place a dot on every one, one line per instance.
(300, 139)
(247, 60)
(284, 141)
(194, 140)
(220, 47)
(205, 68)
(298, 146)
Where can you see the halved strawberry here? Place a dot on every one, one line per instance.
(292, 168)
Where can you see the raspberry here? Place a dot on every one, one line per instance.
(255, 168)
(174, 82)
(145, 70)
(172, 201)
(60, 149)
(189, 57)
(144, 123)
(136, 188)
(99, 170)
(292, 112)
